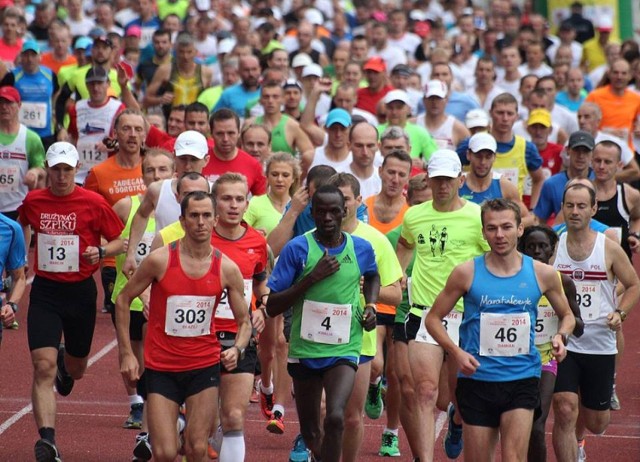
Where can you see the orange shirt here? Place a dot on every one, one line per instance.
(52, 63)
(114, 182)
(384, 228)
(618, 112)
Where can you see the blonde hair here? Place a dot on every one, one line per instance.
(286, 158)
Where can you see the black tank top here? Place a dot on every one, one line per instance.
(615, 214)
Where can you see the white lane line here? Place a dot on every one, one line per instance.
(7, 424)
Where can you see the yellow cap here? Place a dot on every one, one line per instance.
(540, 116)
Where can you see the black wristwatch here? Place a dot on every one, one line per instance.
(240, 352)
(101, 252)
(14, 306)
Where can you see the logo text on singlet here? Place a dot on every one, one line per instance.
(127, 185)
(55, 223)
(485, 300)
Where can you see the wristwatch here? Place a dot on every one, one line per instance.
(102, 252)
(622, 314)
(240, 352)
(14, 306)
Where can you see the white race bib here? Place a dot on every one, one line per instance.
(588, 298)
(33, 115)
(144, 246)
(89, 155)
(451, 323)
(546, 325)
(504, 334)
(326, 323)
(58, 253)
(188, 315)
(224, 309)
(510, 174)
(9, 178)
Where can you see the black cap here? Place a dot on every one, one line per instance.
(96, 74)
(402, 69)
(103, 39)
(582, 138)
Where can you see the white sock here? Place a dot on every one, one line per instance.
(278, 408)
(389, 431)
(266, 390)
(135, 399)
(376, 381)
(233, 448)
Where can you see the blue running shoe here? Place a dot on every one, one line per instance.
(299, 453)
(453, 439)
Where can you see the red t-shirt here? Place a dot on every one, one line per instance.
(368, 100)
(551, 164)
(244, 164)
(250, 254)
(181, 333)
(64, 227)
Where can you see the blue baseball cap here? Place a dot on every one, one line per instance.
(82, 43)
(30, 45)
(338, 116)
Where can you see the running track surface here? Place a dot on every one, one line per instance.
(89, 420)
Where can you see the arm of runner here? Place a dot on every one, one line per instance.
(279, 302)
(151, 97)
(258, 317)
(371, 290)
(537, 178)
(233, 282)
(138, 225)
(552, 289)
(570, 292)
(126, 96)
(633, 198)
(510, 191)
(18, 285)
(623, 270)
(149, 270)
(93, 254)
(457, 285)
(308, 118)
(303, 144)
(404, 251)
(282, 233)
(629, 173)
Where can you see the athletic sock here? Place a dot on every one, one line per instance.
(135, 399)
(278, 408)
(266, 390)
(390, 431)
(233, 448)
(48, 433)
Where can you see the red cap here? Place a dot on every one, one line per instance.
(10, 93)
(376, 64)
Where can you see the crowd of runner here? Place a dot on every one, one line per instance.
(387, 209)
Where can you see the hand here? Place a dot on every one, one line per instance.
(130, 369)
(559, 351)
(369, 319)
(325, 267)
(123, 80)
(7, 316)
(125, 245)
(466, 362)
(323, 86)
(166, 98)
(91, 254)
(403, 282)
(258, 320)
(229, 358)
(129, 266)
(30, 179)
(300, 200)
(614, 321)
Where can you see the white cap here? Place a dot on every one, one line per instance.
(226, 45)
(191, 143)
(301, 60)
(481, 141)
(203, 5)
(314, 16)
(62, 153)
(477, 118)
(312, 69)
(436, 88)
(444, 162)
(397, 95)
(605, 23)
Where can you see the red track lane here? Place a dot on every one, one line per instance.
(89, 420)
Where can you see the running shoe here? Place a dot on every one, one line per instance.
(211, 452)
(134, 421)
(46, 451)
(615, 401)
(64, 382)
(453, 439)
(299, 453)
(389, 447)
(374, 405)
(215, 443)
(276, 423)
(582, 455)
(142, 449)
(266, 404)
